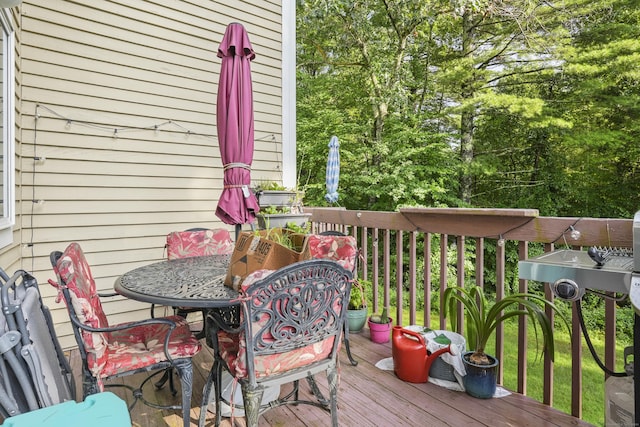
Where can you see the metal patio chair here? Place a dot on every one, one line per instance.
(343, 249)
(190, 243)
(33, 368)
(197, 242)
(124, 349)
(290, 327)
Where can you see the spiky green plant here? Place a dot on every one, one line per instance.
(482, 317)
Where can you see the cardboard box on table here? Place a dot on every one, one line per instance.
(261, 250)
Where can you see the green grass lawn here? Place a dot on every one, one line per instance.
(592, 375)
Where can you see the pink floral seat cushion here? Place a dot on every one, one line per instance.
(141, 346)
(342, 249)
(182, 244)
(109, 353)
(233, 347)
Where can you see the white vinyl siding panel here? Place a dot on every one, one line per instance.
(130, 65)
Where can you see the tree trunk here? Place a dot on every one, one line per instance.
(468, 113)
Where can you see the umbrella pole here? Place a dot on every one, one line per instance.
(238, 229)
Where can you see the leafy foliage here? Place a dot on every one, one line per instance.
(483, 317)
(481, 103)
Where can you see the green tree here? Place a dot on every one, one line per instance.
(355, 68)
(412, 83)
(602, 89)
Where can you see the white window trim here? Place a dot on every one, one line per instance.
(289, 94)
(7, 221)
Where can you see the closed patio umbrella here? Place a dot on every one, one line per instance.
(333, 170)
(237, 204)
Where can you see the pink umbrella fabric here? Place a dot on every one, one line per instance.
(237, 204)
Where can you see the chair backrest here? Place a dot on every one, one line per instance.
(336, 247)
(296, 315)
(198, 242)
(78, 288)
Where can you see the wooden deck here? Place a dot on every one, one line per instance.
(367, 396)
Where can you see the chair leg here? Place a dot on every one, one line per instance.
(167, 376)
(252, 398)
(89, 385)
(332, 378)
(185, 372)
(353, 361)
(206, 395)
(316, 391)
(218, 393)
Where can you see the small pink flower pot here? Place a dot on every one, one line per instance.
(380, 332)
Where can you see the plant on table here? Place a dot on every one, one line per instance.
(270, 186)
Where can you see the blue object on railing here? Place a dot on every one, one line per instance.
(333, 170)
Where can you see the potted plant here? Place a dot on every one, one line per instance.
(380, 326)
(357, 310)
(481, 320)
(279, 206)
(270, 193)
(281, 217)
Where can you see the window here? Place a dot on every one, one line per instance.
(7, 141)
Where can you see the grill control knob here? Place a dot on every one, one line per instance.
(567, 289)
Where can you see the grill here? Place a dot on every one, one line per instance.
(571, 273)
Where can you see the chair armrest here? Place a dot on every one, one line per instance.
(129, 325)
(227, 320)
(220, 322)
(108, 295)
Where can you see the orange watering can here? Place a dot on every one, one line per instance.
(411, 361)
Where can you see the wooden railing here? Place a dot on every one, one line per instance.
(389, 243)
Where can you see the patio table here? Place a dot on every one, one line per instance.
(186, 282)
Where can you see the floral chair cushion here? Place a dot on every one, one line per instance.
(76, 274)
(233, 347)
(142, 346)
(182, 244)
(109, 353)
(342, 249)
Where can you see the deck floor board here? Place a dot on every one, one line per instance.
(367, 396)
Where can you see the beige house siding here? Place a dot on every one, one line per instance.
(94, 81)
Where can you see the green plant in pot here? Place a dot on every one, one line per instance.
(357, 310)
(481, 319)
(380, 326)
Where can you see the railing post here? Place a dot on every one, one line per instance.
(576, 363)
(375, 266)
(386, 258)
(480, 262)
(364, 253)
(427, 279)
(412, 277)
(399, 278)
(443, 280)
(547, 393)
(522, 330)
(460, 273)
(500, 267)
